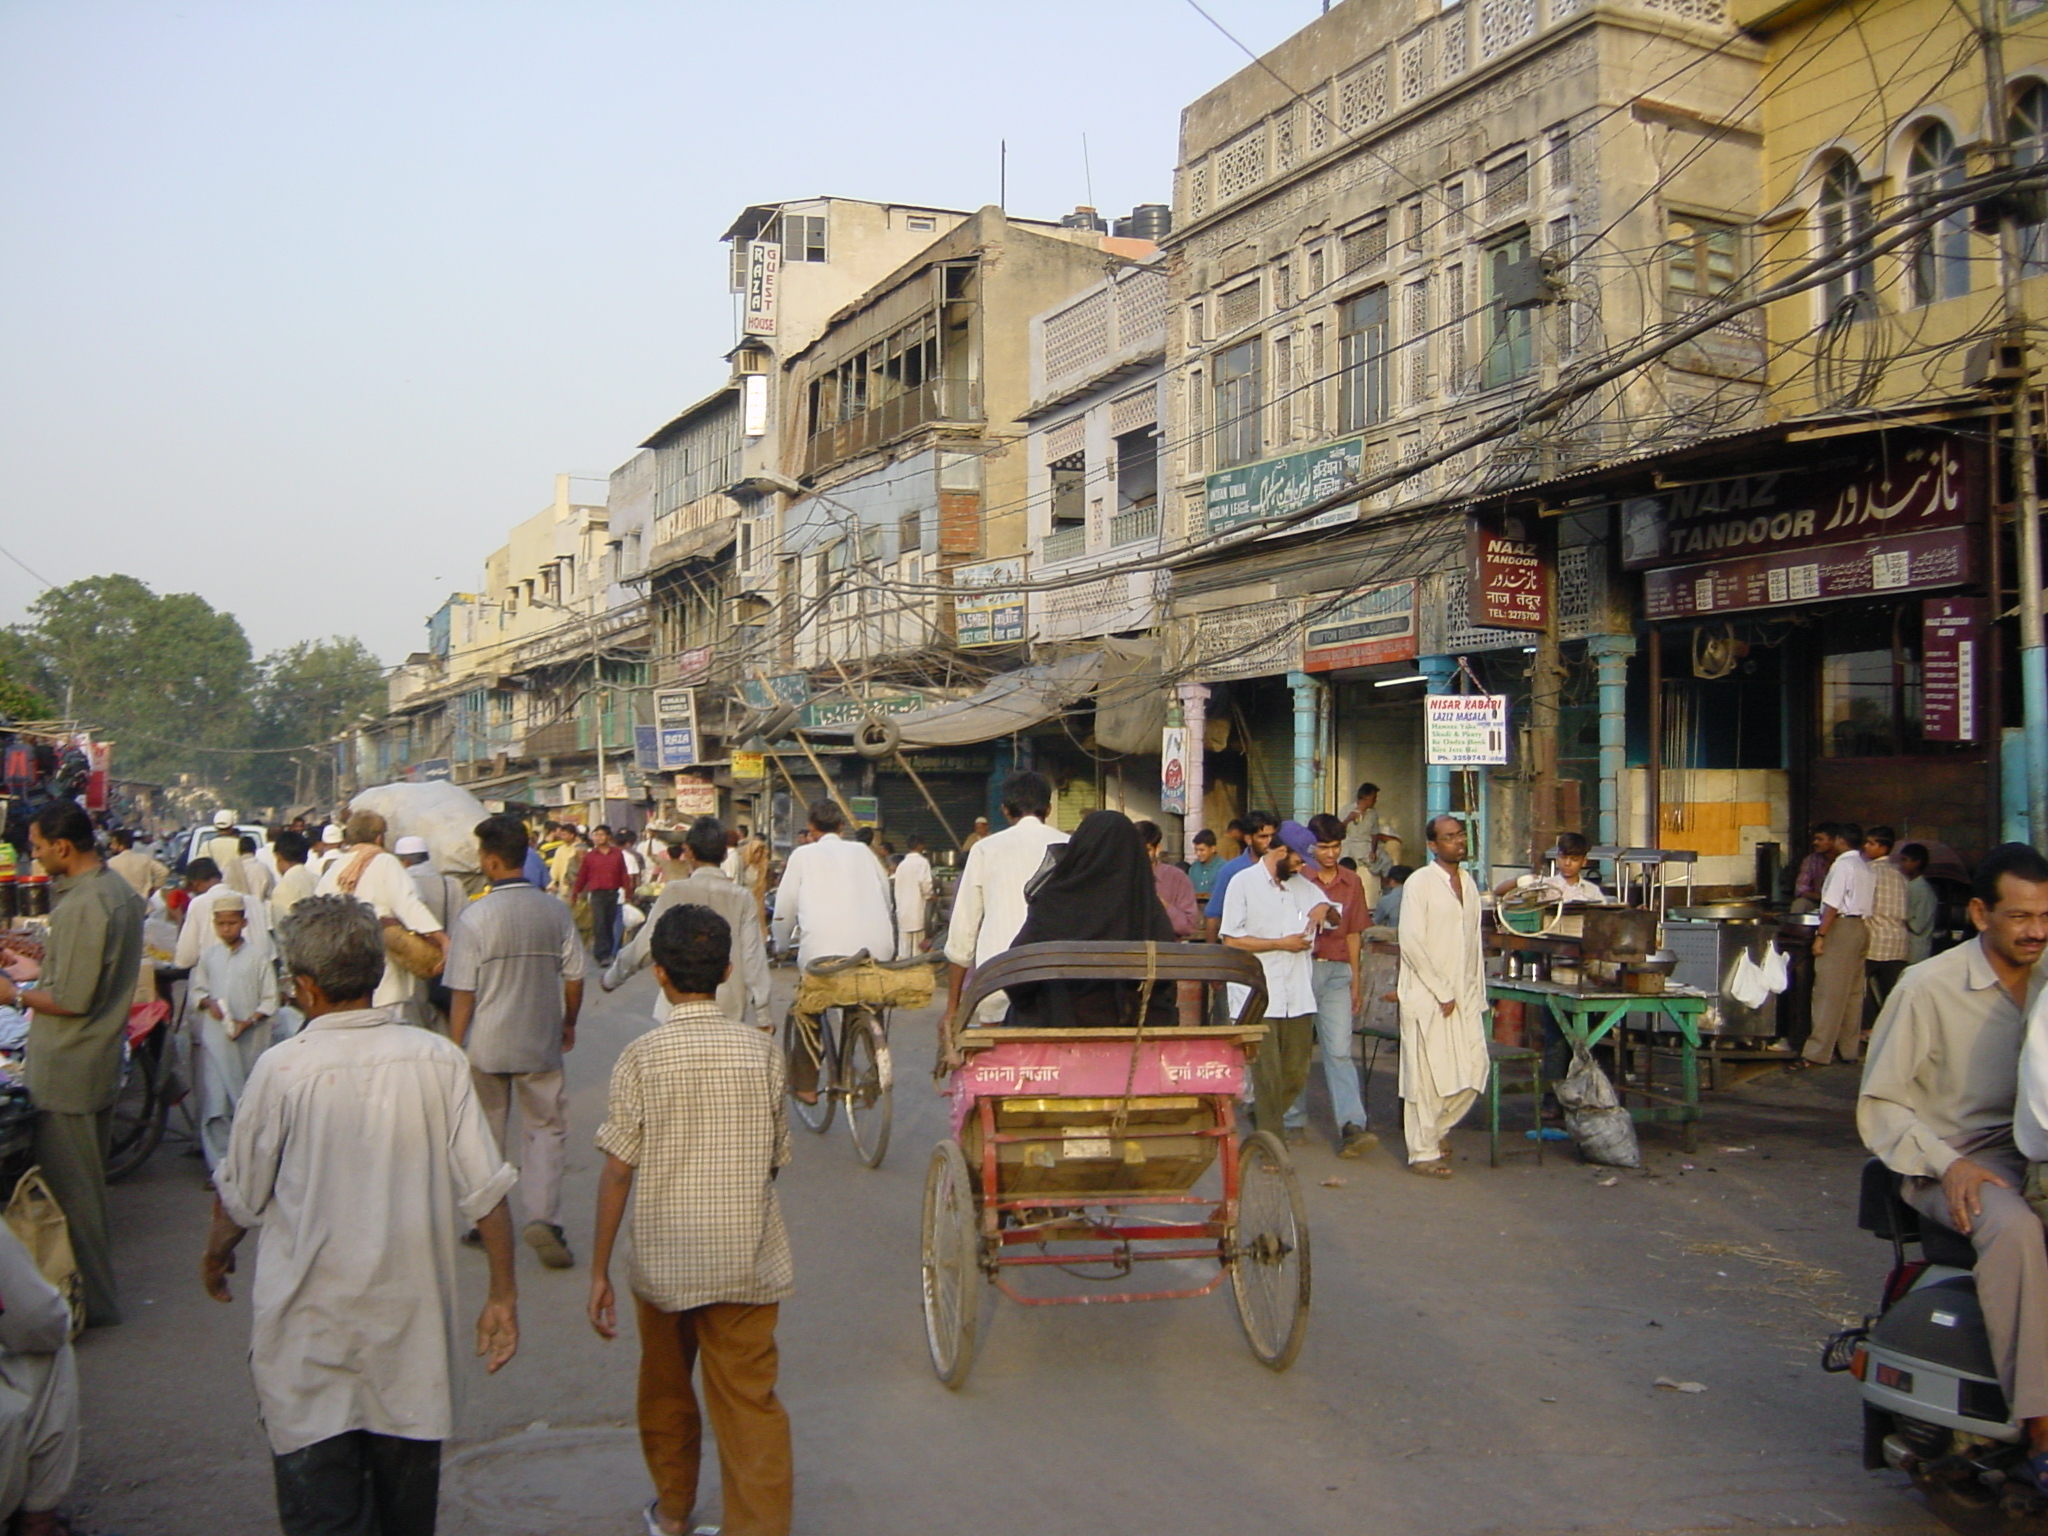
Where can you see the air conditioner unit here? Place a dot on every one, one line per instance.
(1997, 362)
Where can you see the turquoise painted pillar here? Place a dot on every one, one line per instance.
(1610, 655)
(1436, 784)
(1306, 693)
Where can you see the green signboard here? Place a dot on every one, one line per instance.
(1276, 487)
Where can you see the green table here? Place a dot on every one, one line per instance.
(1587, 1016)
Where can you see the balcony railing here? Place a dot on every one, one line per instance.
(1066, 543)
(935, 400)
(1137, 523)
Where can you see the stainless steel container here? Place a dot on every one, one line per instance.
(1707, 951)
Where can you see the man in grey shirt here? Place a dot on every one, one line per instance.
(743, 996)
(515, 984)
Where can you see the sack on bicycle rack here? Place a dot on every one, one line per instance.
(877, 986)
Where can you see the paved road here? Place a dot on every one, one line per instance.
(1481, 1358)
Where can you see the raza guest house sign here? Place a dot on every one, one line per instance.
(1891, 519)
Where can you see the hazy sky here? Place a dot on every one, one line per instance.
(302, 305)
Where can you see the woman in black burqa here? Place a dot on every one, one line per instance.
(1101, 888)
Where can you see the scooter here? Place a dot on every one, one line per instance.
(1932, 1405)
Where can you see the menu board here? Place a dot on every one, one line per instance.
(1951, 641)
(1937, 558)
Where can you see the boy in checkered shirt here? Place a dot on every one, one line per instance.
(696, 1120)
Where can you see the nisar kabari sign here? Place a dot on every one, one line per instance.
(1280, 487)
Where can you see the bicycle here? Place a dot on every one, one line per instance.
(849, 1047)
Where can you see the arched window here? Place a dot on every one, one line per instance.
(1842, 215)
(2028, 129)
(1940, 261)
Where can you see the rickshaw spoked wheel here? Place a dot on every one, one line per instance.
(816, 1117)
(1269, 1262)
(867, 1078)
(951, 1263)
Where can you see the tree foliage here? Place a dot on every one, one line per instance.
(18, 701)
(166, 677)
(308, 692)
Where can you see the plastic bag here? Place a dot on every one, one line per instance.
(1777, 970)
(1594, 1116)
(1746, 983)
(34, 1216)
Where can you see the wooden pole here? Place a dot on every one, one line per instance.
(831, 787)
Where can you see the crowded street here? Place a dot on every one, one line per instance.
(1480, 1358)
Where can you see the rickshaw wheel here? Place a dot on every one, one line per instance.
(816, 1117)
(951, 1262)
(1269, 1267)
(867, 1078)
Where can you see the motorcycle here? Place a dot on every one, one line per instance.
(1932, 1404)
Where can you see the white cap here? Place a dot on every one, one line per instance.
(230, 901)
(330, 833)
(223, 818)
(406, 845)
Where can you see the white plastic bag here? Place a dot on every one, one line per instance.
(1746, 982)
(1777, 969)
(1594, 1116)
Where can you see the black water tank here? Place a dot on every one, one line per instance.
(1147, 221)
(1084, 217)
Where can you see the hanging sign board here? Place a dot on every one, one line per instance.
(695, 798)
(1951, 640)
(764, 270)
(1173, 770)
(1373, 627)
(749, 767)
(1467, 730)
(1510, 583)
(675, 719)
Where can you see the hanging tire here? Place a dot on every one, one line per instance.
(868, 1079)
(951, 1260)
(1269, 1264)
(877, 737)
(139, 1114)
(817, 1117)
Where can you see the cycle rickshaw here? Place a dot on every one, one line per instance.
(1080, 1149)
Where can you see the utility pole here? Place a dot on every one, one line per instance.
(2026, 474)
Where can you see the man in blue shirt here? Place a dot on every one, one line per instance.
(1258, 837)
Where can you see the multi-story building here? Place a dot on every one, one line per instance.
(1395, 234)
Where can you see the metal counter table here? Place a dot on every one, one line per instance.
(1588, 1015)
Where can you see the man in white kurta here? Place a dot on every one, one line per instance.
(989, 905)
(1443, 998)
(834, 897)
(366, 872)
(913, 883)
(234, 989)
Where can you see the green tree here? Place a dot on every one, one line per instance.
(18, 701)
(165, 677)
(308, 693)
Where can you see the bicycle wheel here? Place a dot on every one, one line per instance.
(868, 1077)
(796, 1048)
(1269, 1271)
(951, 1262)
(139, 1114)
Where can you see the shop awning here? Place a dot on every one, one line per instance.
(1013, 701)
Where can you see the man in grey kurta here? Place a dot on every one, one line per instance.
(80, 1012)
(743, 995)
(1940, 1092)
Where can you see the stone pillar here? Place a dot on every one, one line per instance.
(1441, 671)
(1610, 655)
(1307, 691)
(1194, 708)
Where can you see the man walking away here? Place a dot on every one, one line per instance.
(359, 1150)
(136, 867)
(258, 878)
(1954, 1102)
(295, 878)
(989, 905)
(1890, 942)
(744, 994)
(1923, 905)
(914, 888)
(695, 1118)
(602, 877)
(225, 849)
(234, 987)
(1339, 986)
(1443, 999)
(376, 878)
(1272, 912)
(515, 987)
(1839, 947)
(78, 1016)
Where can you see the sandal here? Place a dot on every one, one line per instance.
(1799, 1065)
(1434, 1168)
